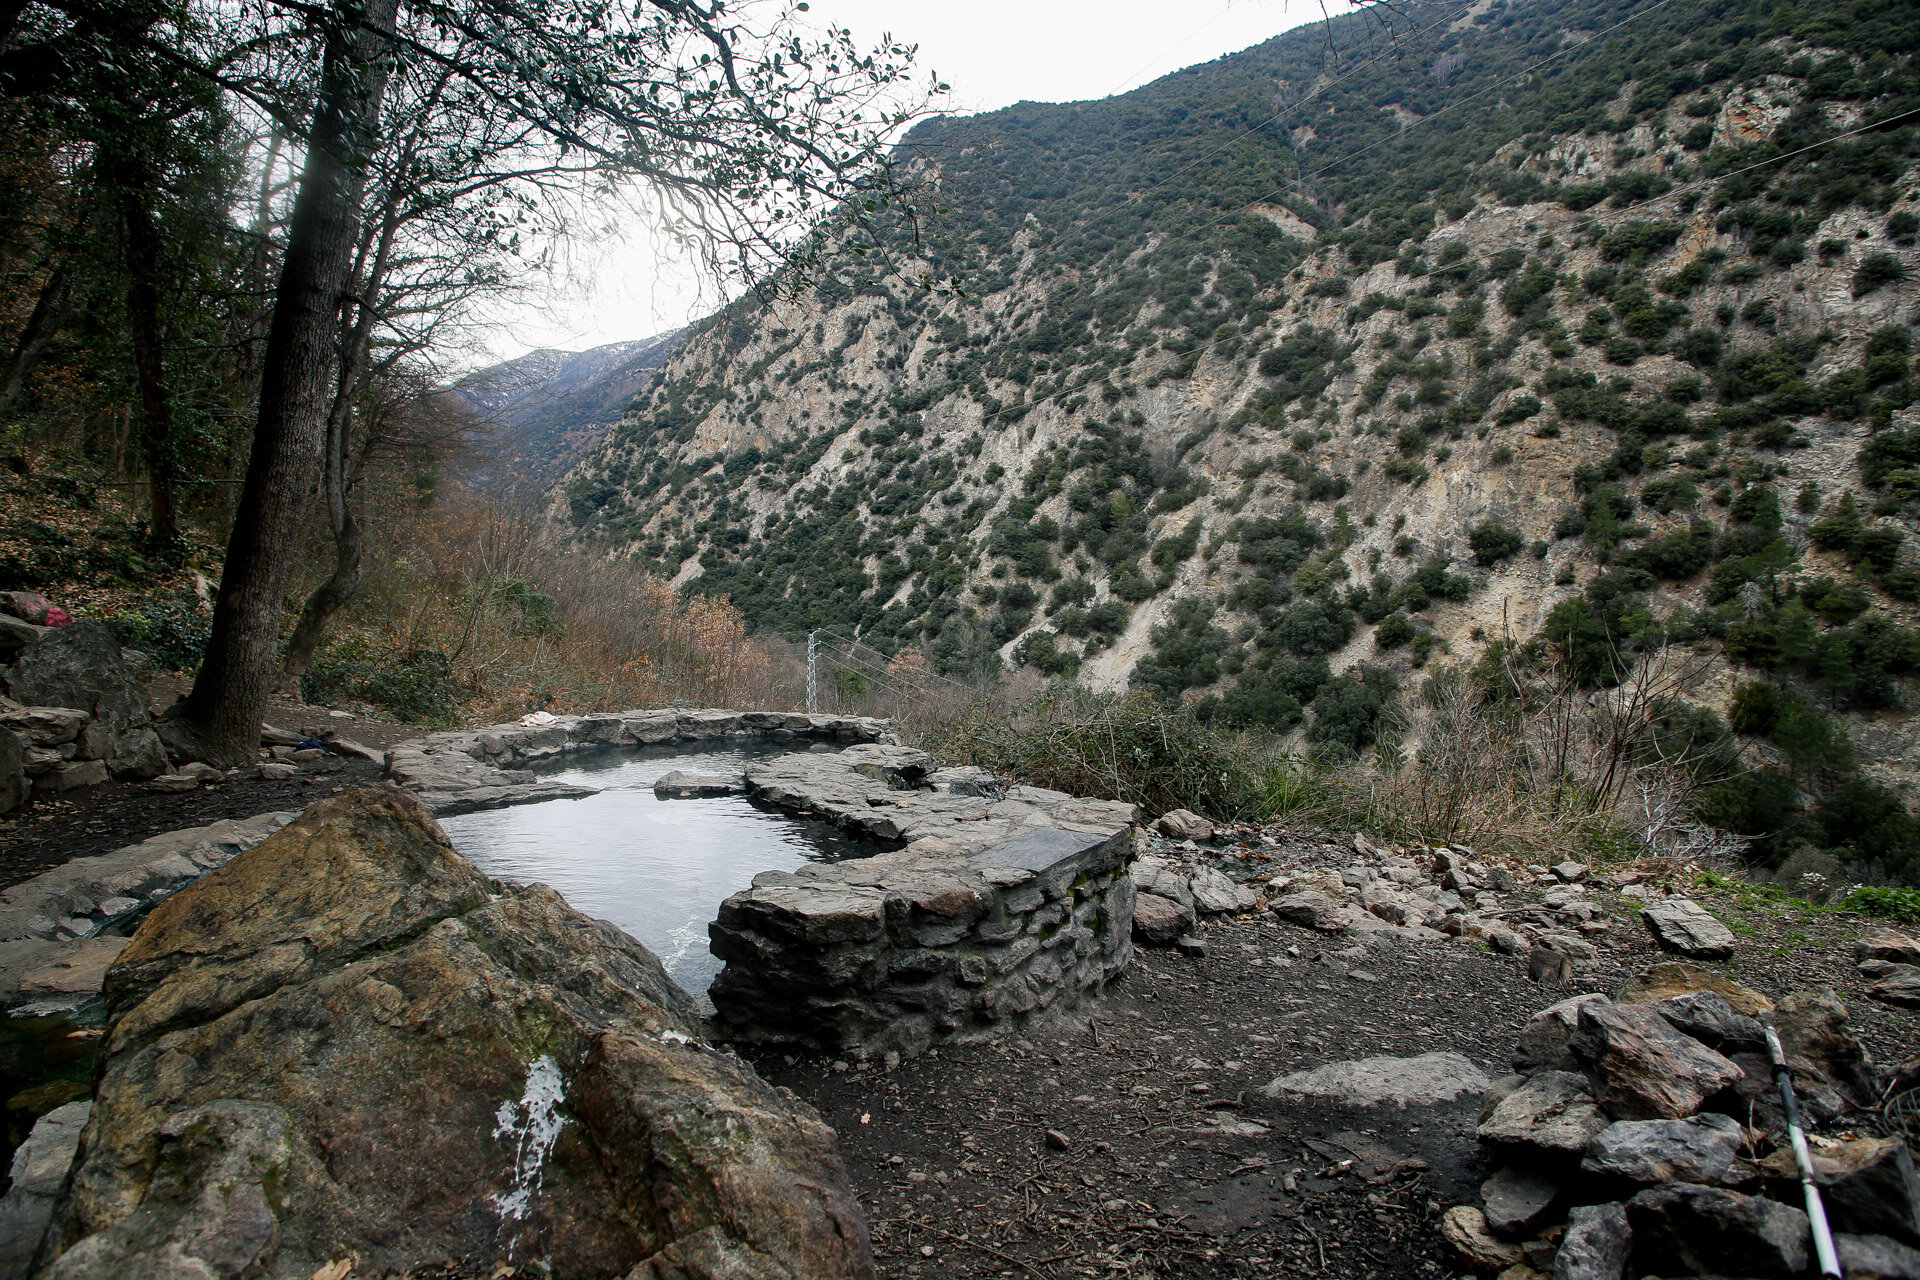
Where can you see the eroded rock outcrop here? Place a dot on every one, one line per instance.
(347, 1041)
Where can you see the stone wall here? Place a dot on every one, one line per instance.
(487, 768)
(1005, 904)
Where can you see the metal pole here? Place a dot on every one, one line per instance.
(1816, 1211)
(813, 671)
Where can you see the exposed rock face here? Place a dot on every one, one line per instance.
(1644, 1069)
(348, 1041)
(1683, 925)
(80, 666)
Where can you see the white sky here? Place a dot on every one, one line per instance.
(991, 52)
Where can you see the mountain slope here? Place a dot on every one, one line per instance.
(1270, 380)
(549, 408)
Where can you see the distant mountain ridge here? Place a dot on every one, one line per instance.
(550, 408)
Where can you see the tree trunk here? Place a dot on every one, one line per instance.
(49, 314)
(328, 598)
(132, 181)
(219, 721)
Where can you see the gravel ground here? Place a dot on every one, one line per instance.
(1168, 1159)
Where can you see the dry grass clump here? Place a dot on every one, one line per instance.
(522, 624)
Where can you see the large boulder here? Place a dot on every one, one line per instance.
(347, 1041)
(81, 666)
(1550, 1116)
(1699, 1149)
(1642, 1068)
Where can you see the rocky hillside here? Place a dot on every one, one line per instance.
(549, 408)
(1284, 376)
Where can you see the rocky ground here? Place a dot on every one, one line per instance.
(94, 820)
(1139, 1139)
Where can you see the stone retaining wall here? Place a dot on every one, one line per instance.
(473, 769)
(1006, 903)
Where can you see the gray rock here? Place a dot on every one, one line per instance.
(71, 775)
(1887, 944)
(1553, 1114)
(1158, 921)
(1184, 824)
(1158, 877)
(41, 1166)
(1402, 1082)
(1876, 1257)
(1597, 1244)
(43, 726)
(1894, 984)
(1543, 1041)
(278, 771)
(137, 753)
(1215, 894)
(1642, 1068)
(680, 783)
(1817, 1033)
(14, 784)
(1712, 1231)
(1683, 925)
(1868, 1184)
(1313, 909)
(79, 665)
(17, 634)
(1465, 1228)
(1708, 1018)
(1698, 1149)
(1517, 1199)
(1191, 946)
(1569, 872)
(967, 780)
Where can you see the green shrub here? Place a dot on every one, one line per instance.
(1894, 903)
(1876, 271)
(173, 632)
(1394, 630)
(1492, 542)
(414, 684)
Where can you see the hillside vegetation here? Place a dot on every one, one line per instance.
(1555, 333)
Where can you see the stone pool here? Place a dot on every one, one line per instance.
(657, 868)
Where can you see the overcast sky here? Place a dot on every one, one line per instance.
(992, 52)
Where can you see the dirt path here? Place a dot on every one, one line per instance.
(1175, 1164)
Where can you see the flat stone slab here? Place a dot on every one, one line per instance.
(681, 784)
(1683, 925)
(473, 769)
(50, 956)
(1373, 1082)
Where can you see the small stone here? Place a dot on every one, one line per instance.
(308, 755)
(1698, 1149)
(1158, 921)
(1643, 1069)
(1465, 1228)
(680, 784)
(278, 771)
(1708, 1018)
(1313, 909)
(1057, 1140)
(1553, 1114)
(1887, 944)
(1192, 946)
(1683, 925)
(1517, 1199)
(1569, 872)
(1215, 894)
(1596, 1244)
(1876, 1258)
(173, 782)
(1712, 1231)
(1543, 1041)
(1894, 984)
(1184, 824)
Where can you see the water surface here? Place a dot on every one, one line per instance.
(658, 869)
